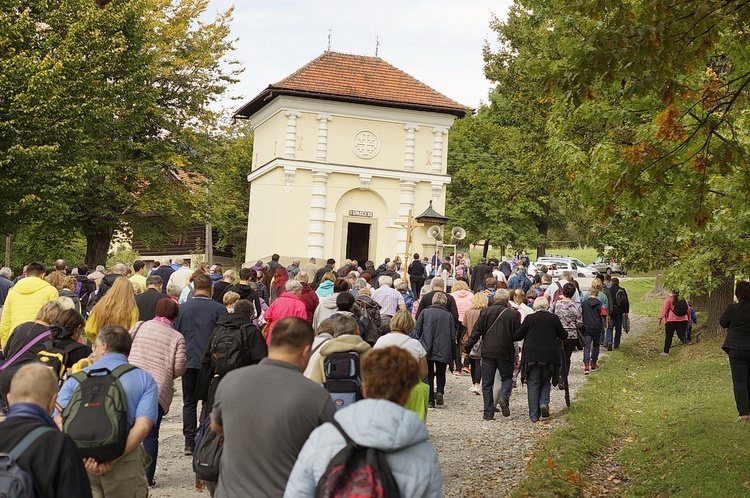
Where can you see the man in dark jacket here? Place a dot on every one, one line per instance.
(164, 270)
(479, 275)
(541, 332)
(245, 290)
(308, 296)
(437, 330)
(496, 326)
(196, 321)
(620, 306)
(88, 287)
(322, 271)
(591, 311)
(52, 459)
(274, 263)
(146, 301)
(417, 275)
(438, 284)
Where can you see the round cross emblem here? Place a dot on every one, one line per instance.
(366, 144)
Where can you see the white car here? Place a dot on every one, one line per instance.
(574, 265)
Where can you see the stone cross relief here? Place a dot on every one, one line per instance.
(299, 142)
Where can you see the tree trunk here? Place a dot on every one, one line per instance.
(486, 246)
(659, 292)
(721, 297)
(98, 241)
(542, 227)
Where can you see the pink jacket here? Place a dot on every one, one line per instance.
(668, 316)
(463, 298)
(160, 350)
(285, 305)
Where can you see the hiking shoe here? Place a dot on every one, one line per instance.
(593, 366)
(545, 411)
(189, 450)
(439, 399)
(586, 369)
(504, 407)
(609, 346)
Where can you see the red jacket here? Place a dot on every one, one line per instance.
(284, 306)
(668, 316)
(311, 300)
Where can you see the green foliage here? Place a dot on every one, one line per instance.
(100, 108)
(669, 425)
(44, 244)
(122, 254)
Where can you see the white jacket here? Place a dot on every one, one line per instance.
(375, 423)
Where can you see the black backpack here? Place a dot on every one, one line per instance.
(621, 300)
(55, 357)
(357, 471)
(208, 450)
(96, 417)
(343, 379)
(14, 481)
(680, 308)
(228, 349)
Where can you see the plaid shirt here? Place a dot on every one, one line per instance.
(389, 299)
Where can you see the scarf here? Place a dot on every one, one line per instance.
(164, 320)
(31, 410)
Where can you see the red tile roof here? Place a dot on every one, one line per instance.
(356, 78)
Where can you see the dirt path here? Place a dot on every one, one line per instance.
(477, 458)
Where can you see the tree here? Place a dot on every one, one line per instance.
(107, 106)
(650, 116)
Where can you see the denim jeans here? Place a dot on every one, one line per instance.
(615, 323)
(538, 388)
(189, 406)
(489, 367)
(151, 445)
(590, 348)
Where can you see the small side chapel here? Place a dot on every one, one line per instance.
(344, 149)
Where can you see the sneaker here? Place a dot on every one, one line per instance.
(152, 484)
(664, 354)
(586, 369)
(457, 372)
(561, 386)
(488, 418)
(439, 399)
(466, 370)
(476, 390)
(431, 404)
(609, 346)
(189, 450)
(593, 366)
(504, 407)
(545, 411)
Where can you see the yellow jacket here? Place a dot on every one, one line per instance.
(24, 301)
(92, 325)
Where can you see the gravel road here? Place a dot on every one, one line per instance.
(477, 458)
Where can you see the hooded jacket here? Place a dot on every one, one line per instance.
(326, 308)
(339, 344)
(464, 299)
(311, 300)
(286, 305)
(23, 302)
(592, 316)
(436, 330)
(325, 289)
(374, 423)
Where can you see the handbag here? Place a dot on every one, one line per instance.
(581, 341)
(476, 350)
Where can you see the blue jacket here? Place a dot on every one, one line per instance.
(196, 321)
(375, 423)
(436, 330)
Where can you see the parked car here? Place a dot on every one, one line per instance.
(577, 267)
(608, 266)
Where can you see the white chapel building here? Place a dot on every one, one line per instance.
(343, 149)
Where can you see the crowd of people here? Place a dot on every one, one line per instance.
(376, 344)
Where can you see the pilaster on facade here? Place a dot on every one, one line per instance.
(406, 203)
(317, 226)
(321, 154)
(411, 130)
(437, 149)
(290, 147)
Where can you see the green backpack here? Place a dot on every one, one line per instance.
(96, 417)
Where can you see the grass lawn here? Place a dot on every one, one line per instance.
(647, 425)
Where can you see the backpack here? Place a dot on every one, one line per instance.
(343, 379)
(56, 358)
(357, 471)
(227, 350)
(680, 308)
(208, 450)
(558, 293)
(96, 417)
(621, 300)
(14, 481)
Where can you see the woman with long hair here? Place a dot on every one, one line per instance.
(117, 307)
(280, 277)
(478, 303)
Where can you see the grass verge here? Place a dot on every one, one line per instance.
(670, 422)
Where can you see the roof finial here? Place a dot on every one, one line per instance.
(330, 32)
(377, 44)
